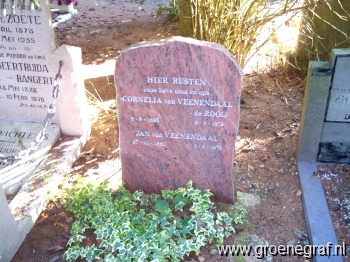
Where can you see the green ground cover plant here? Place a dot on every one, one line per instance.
(142, 227)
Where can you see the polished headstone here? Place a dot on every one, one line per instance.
(178, 111)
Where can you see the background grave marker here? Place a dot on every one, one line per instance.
(325, 128)
(324, 136)
(178, 111)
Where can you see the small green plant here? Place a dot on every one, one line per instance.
(142, 227)
(172, 9)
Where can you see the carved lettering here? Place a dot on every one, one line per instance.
(188, 81)
(157, 80)
(215, 114)
(21, 19)
(23, 135)
(139, 99)
(5, 150)
(43, 80)
(191, 136)
(23, 66)
(195, 102)
(143, 133)
(164, 91)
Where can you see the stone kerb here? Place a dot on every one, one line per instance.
(26, 81)
(178, 111)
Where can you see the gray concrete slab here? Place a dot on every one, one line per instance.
(335, 132)
(313, 112)
(319, 222)
(33, 196)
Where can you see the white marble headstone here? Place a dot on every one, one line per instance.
(26, 81)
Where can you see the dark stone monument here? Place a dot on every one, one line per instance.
(324, 136)
(325, 124)
(178, 109)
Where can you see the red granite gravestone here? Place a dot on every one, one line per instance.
(178, 109)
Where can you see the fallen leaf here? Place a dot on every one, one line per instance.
(347, 175)
(239, 188)
(201, 259)
(264, 157)
(247, 131)
(279, 171)
(293, 161)
(55, 249)
(69, 219)
(251, 168)
(99, 241)
(58, 224)
(276, 134)
(289, 79)
(88, 241)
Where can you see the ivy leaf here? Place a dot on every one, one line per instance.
(144, 201)
(86, 203)
(129, 231)
(161, 205)
(137, 196)
(189, 184)
(180, 201)
(163, 220)
(167, 194)
(154, 197)
(228, 220)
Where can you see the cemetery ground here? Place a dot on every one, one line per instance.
(265, 160)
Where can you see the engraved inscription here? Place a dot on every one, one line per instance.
(25, 79)
(183, 98)
(339, 97)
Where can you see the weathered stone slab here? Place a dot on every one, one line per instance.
(72, 102)
(339, 100)
(178, 111)
(16, 137)
(26, 81)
